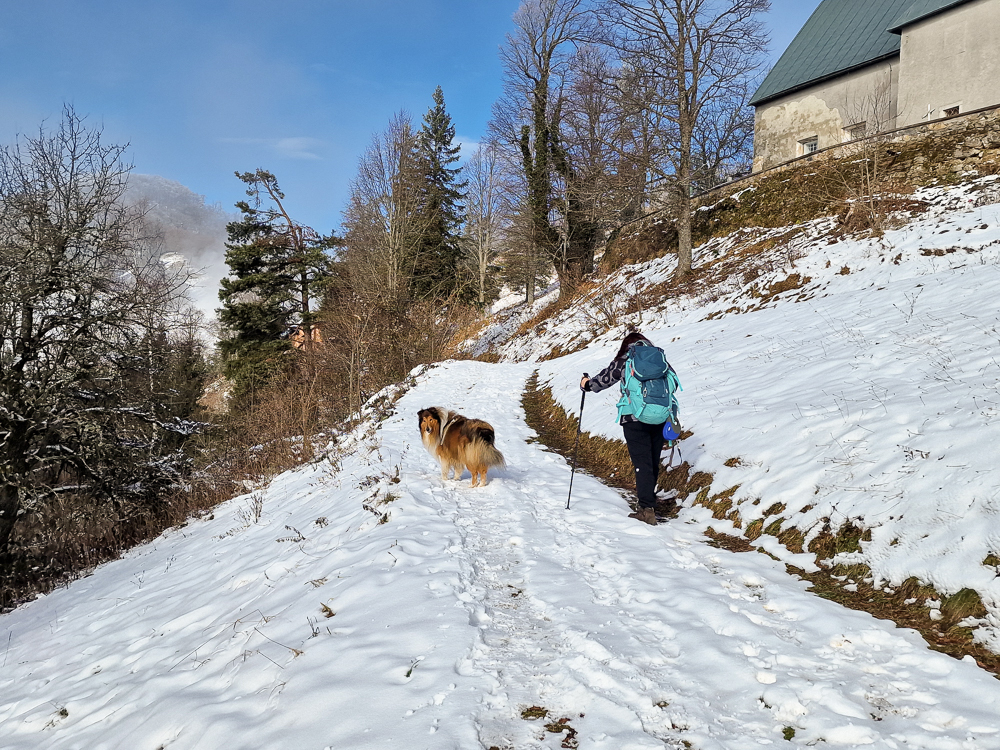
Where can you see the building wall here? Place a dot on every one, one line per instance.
(950, 60)
(827, 111)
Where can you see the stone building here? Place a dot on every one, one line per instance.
(860, 67)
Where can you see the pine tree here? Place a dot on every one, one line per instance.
(438, 251)
(277, 268)
(255, 309)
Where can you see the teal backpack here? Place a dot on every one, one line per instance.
(648, 387)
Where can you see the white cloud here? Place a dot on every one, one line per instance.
(300, 147)
(469, 146)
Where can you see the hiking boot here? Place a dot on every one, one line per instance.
(646, 515)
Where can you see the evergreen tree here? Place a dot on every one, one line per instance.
(277, 268)
(438, 251)
(255, 309)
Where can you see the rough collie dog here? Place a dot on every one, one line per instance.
(457, 443)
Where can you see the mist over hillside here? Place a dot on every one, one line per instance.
(191, 228)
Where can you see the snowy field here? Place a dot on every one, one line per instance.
(292, 618)
(461, 611)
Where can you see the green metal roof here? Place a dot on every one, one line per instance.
(840, 35)
(920, 9)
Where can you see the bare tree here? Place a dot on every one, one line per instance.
(524, 266)
(693, 60)
(81, 291)
(527, 119)
(484, 216)
(383, 220)
(373, 336)
(857, 171)
(583, 158)
(353, 323)
(606, 145)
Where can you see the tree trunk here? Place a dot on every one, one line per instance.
(10, 491)
(683, 232)
(16, 469)
(529, 287)
(10, 504)
(307, 326)
(482, 282)
(685, 122)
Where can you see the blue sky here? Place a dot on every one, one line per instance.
(202, 88)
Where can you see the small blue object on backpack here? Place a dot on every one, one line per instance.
(670, 432)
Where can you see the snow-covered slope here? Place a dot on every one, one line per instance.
(295, 617)
(870, 394)
(459, 613)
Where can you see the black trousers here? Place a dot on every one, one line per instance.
(645, 442)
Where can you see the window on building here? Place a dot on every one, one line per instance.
(950, 111)
(858, 130)
(808, 145)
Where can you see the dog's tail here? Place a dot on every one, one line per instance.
(483, 451)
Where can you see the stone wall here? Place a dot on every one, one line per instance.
(917, 154)
(942, 148)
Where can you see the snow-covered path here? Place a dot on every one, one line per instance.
(465, 608)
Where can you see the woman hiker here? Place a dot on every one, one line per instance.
(644, 441)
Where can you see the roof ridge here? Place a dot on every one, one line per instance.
(919, 10)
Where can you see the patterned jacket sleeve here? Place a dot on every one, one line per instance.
(608, 376)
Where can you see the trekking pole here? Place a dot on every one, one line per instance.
(579, 427)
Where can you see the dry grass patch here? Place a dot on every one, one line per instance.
(792, 281)
(68, 538)
(606, 459)
(471, 329)
(851, 586)
(728, 541)
(559, 351)
(534, 712)
(830, 542)
(559, 727)
(537, 322)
